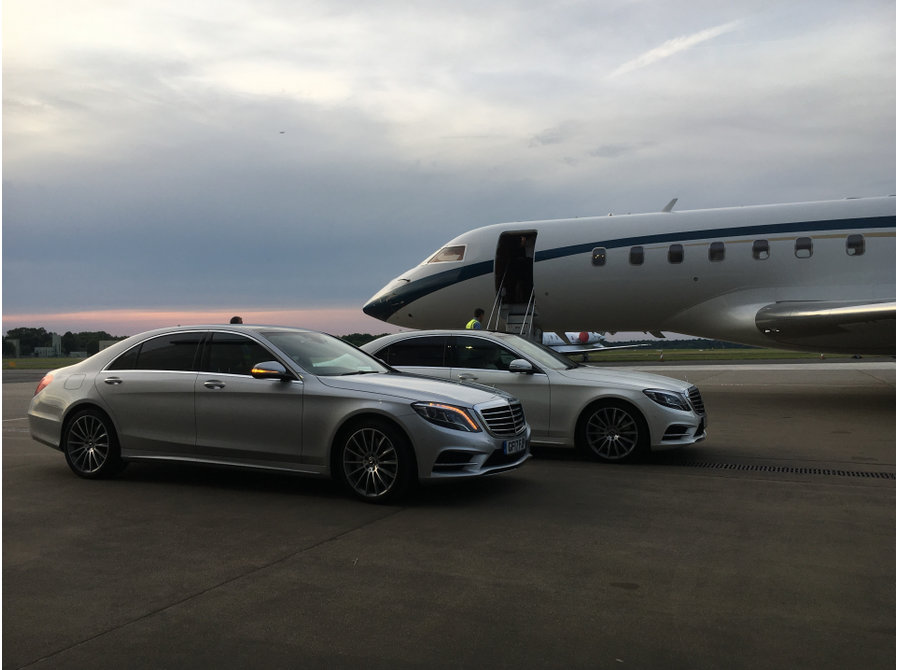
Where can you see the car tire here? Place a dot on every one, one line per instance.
(374, 460)
(91, 446)
(613, 432)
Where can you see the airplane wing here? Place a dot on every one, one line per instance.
(825, 324)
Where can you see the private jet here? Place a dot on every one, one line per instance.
(815, 276)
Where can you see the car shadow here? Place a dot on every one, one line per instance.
(224, 477)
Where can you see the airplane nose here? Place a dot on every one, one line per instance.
(385, 303)
(377, 309)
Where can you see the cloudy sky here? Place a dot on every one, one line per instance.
(179, 162)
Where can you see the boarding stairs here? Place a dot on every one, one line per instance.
(514, 317)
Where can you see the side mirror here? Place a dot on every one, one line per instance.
(521, 365)
(271, 370)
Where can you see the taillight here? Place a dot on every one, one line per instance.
(46, 380)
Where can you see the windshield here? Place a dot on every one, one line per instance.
(322, 354)
(447, 254)
(543, 356)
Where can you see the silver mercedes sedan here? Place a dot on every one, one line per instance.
(609, 414)
(278, 399)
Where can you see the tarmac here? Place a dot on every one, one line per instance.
(772, 544)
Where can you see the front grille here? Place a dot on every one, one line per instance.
(696, 400)
(505, 420)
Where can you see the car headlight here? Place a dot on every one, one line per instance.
(447, 416)
(668, 399)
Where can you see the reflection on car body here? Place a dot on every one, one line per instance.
(273, 398)
(610, 414)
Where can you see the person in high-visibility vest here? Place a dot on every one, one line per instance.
(475, 323)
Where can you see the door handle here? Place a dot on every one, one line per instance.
(112, 381)
(214, 384)
(468, 377)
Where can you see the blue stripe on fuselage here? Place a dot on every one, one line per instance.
(385, 307)
(742, 231)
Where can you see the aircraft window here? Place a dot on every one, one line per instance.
(636, 256)
(716, 251)
(599, 256)
(803, 247)
(676, 253)
(855, 245)
(447, 254)
(419, 351)
(761, 250)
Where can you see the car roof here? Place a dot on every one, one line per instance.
(454, 331)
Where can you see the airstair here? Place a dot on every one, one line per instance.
(519, 318)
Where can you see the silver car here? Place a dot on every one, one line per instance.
(277, 399)
(609, 414)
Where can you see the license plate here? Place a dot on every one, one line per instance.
(514, 446)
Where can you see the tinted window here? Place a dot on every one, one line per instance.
(420, 351)
(716, 251)
(599, 256)
(676, 253)
(803, 247)
(636, 256)
(230, 353)
(127, 361)
(473, 352)
(855, 245)
(168, 352)
(760, 250)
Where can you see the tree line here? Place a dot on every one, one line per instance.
(32, 338)
(89, 341)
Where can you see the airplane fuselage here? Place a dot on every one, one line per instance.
(815, 276)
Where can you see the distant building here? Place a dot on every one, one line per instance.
(16, 344)
(53, 351)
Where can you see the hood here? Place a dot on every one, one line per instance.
(416, 387)
(624, 377)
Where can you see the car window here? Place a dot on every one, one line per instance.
(418, 351)
(231, 353)
(176, 351)
(541, 355)
(323, 354)
(474, 352)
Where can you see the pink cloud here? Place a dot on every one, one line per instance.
(338, 321)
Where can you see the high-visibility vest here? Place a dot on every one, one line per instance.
(474, 324)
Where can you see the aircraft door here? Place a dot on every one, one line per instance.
(514, 266)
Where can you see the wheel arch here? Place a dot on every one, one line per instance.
(356, 420)
(611, 401)
(79, 407)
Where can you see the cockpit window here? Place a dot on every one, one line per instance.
(447, 254)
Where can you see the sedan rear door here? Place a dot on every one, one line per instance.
(149, 392)
(424, 355)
